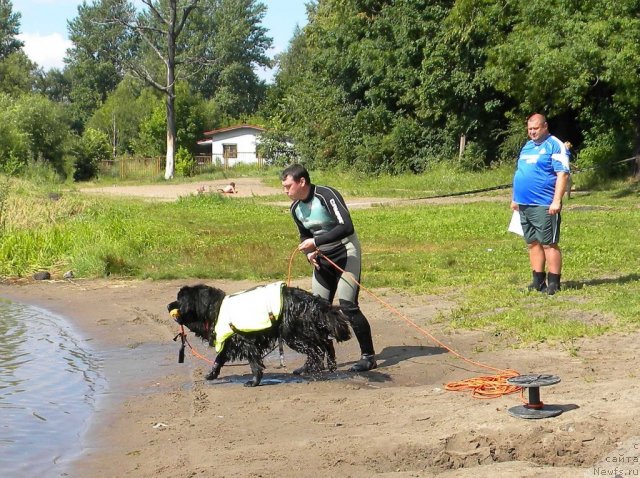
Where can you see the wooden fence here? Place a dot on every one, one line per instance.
(151, 168)
(133, 168)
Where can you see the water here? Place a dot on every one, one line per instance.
(49, 381)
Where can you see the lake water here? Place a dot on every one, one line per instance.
(49, 382)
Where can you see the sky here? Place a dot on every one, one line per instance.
(43, 27)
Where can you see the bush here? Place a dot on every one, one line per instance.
(473, 158)
(185, 163)
(89, 150)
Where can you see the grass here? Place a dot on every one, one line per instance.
(458, 251)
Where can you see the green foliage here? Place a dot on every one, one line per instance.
(95, 62)
(473, 158)
(9, 30)
(5, 189)
(189, 110)
(151, 140)
(123, 113)
(18, 74)
(276, 150)
(46, 124)
(185, 163)
(391, 86)
(230, 35)
(34, 129)
(461, 252)
(89, 150)
(14, 143)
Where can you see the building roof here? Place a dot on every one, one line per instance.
(233, 128)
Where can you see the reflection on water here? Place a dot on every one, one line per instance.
(48, 384)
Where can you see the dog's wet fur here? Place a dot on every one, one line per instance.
(306, 324)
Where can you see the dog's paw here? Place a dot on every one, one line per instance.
(332, 365)
(212, 375)
(251, 383)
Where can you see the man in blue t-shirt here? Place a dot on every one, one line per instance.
(538, 186)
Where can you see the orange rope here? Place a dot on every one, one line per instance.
(491, 386)
(194, 352)
(197, 354)
(483, 387)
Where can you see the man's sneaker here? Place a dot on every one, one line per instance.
(552, 288)
(366, 362)
(554, 283)
(538, 283)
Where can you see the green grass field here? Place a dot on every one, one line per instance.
(461, 251)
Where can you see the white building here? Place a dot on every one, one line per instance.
(234, 145)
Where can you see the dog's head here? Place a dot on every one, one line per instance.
(196, 307)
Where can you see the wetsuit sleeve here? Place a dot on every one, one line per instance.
(336, 206)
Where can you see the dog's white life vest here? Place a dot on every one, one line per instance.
(249, 311)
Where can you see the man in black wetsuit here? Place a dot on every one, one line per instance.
(325, 227)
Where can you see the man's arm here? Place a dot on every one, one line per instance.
(337, 207)
(561, 186)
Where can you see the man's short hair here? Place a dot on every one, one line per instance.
(543, 118)
(296, 171)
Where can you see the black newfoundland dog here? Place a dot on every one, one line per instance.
(305, 322)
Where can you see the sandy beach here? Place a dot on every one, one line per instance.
(163, 420)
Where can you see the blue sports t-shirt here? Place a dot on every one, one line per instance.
(534, 182)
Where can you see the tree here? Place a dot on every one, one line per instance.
(229, 35)
(14, 142)
(89, 150)
(189, 107)
(36, 129)
(178, 40)
(9, 29)
(95, 62)
(18, 74)
(120, 117)
(159, 27)
(54, 84)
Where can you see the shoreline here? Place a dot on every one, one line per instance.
(128, 340)
(161, 419)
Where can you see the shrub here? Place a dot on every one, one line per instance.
(89, 150)
(185, 162)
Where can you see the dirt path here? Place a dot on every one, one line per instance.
(253, 187)
(246, 187)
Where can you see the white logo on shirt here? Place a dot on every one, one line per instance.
(336, 211)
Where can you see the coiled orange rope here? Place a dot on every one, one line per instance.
(483, 387)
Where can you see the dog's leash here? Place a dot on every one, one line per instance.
(482, 387)
(183, 339)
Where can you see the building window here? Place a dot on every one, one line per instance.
(230, 151)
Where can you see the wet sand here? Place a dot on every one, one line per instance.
(159, 418)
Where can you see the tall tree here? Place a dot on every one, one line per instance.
(228, 34)
(9, 29)
(95, 62)
(160, 27)
(177, 43)
(18, 74)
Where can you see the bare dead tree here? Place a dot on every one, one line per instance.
(165, 20)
